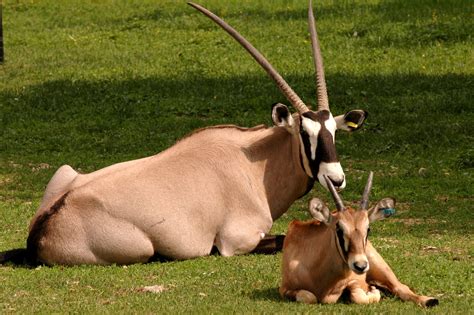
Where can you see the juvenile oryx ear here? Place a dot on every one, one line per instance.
(351, 120)
(383, 209)
(282, 117)
(320, 211)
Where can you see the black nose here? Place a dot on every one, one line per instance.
(360, 266)
(336, 183)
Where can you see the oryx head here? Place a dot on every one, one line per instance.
(351, 227)
(316, 129)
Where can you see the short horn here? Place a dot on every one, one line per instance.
(280, 82)
(323, 102)
(364, 203)
(337, 199)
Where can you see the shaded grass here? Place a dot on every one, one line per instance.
(93, 83)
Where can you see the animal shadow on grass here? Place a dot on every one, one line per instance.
(272, 295)
(138, 117)
(266, 294)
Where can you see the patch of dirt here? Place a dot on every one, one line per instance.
(384, 242)
(5, 180)
(39, 167)
(456, 253)
(153, 289)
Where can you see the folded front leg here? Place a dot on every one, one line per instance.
(302, 296)
(361, 296)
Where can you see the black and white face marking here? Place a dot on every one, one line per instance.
(342, 240)
(352, 240)
(317, 133)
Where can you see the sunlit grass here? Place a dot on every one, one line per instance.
(91, 83)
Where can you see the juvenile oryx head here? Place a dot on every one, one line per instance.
(316, 129)
(351, 227)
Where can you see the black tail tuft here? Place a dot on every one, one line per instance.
(18, 257)
(432, 302)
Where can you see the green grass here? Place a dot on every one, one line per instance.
(91, 83)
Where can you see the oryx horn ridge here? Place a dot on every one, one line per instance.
(337, 198)
(323, 102)
(364, 203)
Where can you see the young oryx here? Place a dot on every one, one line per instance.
(221, 186)
(324, 257)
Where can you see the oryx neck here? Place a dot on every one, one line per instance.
(278, 157)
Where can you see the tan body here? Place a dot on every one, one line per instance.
(310, 267)
(220, 186)
(318, 265)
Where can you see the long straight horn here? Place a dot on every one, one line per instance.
(337, 199)
(281, 83)
(364, 203)
(323, 102)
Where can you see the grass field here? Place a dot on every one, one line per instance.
(91, 83)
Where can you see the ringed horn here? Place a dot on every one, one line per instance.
(364, 203)
(281, 83)
(337, 198)
(323, 102)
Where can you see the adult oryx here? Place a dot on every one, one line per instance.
(220, 186)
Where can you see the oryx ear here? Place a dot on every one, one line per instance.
(352, 120)
(383, 209)
(282, 117)
(320, 211)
